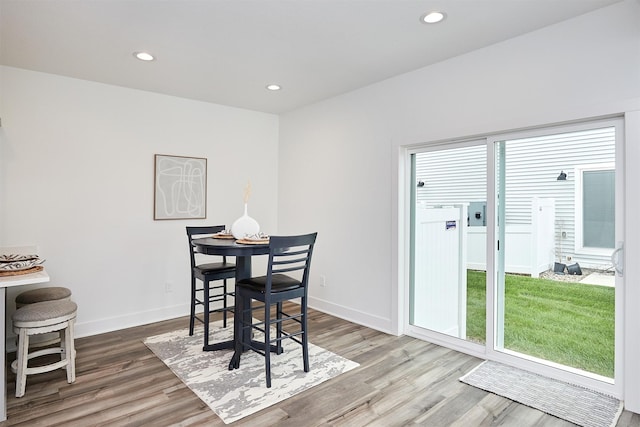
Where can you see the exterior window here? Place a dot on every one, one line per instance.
(598, 209)
(595, 219)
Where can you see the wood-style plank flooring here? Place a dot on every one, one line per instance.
(401, 381)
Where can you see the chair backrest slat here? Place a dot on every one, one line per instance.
(290, 261)
(200, 231)
(287, 270)
(289, 254)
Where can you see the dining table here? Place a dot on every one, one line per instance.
(243, 253)
(6, 281)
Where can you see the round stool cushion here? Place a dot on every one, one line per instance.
(44, 313)
(51, 293)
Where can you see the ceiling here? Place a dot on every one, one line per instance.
(227, 51)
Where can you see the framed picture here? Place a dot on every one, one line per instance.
(180, 187)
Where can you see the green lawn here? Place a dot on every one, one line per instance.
(567, 323)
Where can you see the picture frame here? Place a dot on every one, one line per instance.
(180, 187)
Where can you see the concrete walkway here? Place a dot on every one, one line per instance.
(599, 279)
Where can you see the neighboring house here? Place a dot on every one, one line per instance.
(584, 201)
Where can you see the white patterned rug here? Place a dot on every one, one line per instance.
(241, 392)
(570, 402)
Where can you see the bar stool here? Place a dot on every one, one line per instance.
(40, 318)
(49, 293)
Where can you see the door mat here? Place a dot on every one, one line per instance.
(567, 401)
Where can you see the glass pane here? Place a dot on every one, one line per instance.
(598, 192)
(448, 293)
(542, 308)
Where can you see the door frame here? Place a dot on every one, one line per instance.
(487, 351)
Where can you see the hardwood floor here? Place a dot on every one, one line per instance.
(401, 381)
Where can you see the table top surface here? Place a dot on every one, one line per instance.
(24, 279)
(212, 246)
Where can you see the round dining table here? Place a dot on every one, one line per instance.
(243, 253)
(230, 247)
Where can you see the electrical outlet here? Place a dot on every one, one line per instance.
(168, 287)
(323, 281)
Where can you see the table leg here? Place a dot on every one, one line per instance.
(237, 331)
(243, 271)
(243, 267)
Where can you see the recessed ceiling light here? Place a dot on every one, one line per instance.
(432, 17)
(144, 56)
(273, 87)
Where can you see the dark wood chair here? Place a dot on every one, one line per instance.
(214, 276)
(290, 255)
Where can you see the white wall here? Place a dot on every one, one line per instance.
(76, 167)
(339, 161)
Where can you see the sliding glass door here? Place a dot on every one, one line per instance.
(512, 244)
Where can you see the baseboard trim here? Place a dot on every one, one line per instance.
(129, 320)
(365, 319)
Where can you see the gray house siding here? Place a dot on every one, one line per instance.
(532, 166)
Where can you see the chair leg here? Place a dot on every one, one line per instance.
(62, 333)
(267, 343)
(224, 306)
(205, 315)
(70, 351)
(245, 319)
(305, 341)
(21, 371)
(193, 305)
(279, 328)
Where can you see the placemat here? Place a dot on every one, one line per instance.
(21, 272)
(253, 242)
(223, 236)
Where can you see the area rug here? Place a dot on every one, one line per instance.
(570, 402)
(235, 394)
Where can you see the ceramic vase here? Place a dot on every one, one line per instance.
(244, 226)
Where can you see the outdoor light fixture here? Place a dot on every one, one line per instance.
(562, 176)
(420, 183)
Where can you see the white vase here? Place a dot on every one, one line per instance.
(244, 226)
